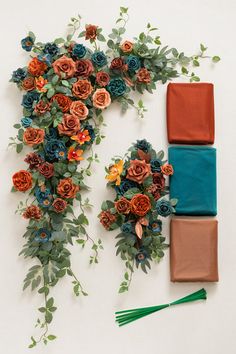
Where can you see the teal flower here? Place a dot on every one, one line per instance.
(26, 122)
(18, 75)
(55, 149)
(99, 59)
(116, 87)
(42, 235)
(51, 48)
(44, 197)
(143, 145)
(164, 208)
(27, 43)
(79, 50)
(155, 226)
(127, 227)
(29, 98)
(133, 63)
(141, 256)
(156, 165)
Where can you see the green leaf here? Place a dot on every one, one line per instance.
(51, 337)
(42, 309)
(19, 148)
(50, 93)
(17, 126)
(50, 302)
(215, 59)
(101, 38)
(131, 192)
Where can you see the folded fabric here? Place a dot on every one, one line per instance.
(190, 113)
(193, 250)
(194, 180)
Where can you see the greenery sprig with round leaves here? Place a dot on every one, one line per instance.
(139, 180)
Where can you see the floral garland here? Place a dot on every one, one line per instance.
(66, 88)
(140, 186)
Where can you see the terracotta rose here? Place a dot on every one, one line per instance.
(138, 171)
(28, 84)
(79, 110)
(102, 78)
(127, 47)
(36, 67)
(64, 65)
(69, 126)
(82, 89)
(90, 32)
(107, 219)
(22, 180)
(123, 206)
(167, 169)
(42, 107)
(33, 136)
(101, 98)
(59, 205)
(67, 189)
(143, 76)
(46, 169)
(140, 204)
(32, 212)
(64, 102)
(84, 68)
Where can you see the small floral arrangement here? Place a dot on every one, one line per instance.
(139, 180)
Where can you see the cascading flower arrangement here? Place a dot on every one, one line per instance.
(66, 88)
(140, 185)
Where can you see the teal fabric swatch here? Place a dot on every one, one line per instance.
(194, 180)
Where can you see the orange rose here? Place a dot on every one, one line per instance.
(36, 67)
(107, 219)
(158, 180)
(167, 169)
(143, 76)
(64, 102)
(42, 107)
(102, 78)
(127, 47)
(69, 126)
(65, 66)
(28, 84)
(84, 68)
(22, 180)
(140, 204)
(138, 171)
(67, 189)
(79, 110)
(39, 83)
(33, 136)
(59, 205)
(82, 89)
(122, 206)
(32, 212)
(46, 169)
(101, 98)
(91, 32)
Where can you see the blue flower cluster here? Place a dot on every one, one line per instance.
(99, 59)
(79, 51)
(55, 149)
(116, 87)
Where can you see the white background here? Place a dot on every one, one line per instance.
(86, 325)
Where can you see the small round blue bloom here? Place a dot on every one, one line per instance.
(127, 227)
(133, 63)
(52, 134)
(99, 59)
(55, 149)
(29, 98)
(116, 87)
(156, 165)
(143, 145)
(79, 51)
(42, 235)
(141, 256)
(26, 122)
(164, 207)
(155, 226)
(18, 75)
(125, 186)
(44, 197)
(51, 48)
(45, 58)
(27, 43)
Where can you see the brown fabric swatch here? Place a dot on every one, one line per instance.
(190, 113)
(193, 249)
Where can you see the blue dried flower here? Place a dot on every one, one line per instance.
(127, 227)
(141, 256)
(133, 63)
(42, 235)
(116, 87)
(156, 165)
(99, 59)
(46, 58)
(55, 149)
(27, 43)
(18, 75)
(51, 48)
(29, 98)
(143, 145)
(26, 122)
(155, 226)
(164, 208)
(125, 186)
(44, 197)
(79, 51)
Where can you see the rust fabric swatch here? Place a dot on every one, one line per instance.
(193, 250)
(190, 113)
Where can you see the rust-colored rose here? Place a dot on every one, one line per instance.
(67, 189)
(117, 63)
(122, 206)
(138, 171)
(107, 219)
(22, 180)
(82, 89)
(69, 126)
(155, 191)
(32, 212)
(102, 78)
(64, 102)
(42, 107)
(59, 205)
(79, 110)
(127, 47)
(46, 169)
(64, 66)
(33, 136)
(143, 76)
(140, 204)
(91, 32)
(101, 98)
(158, 180)
(34, 160)
(36, 67)
(167, 169)
(28, 84)
(84, 68)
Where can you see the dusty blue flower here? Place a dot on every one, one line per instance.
(27, 43)
(44, 197)
(133, 63)
(55, 149)
(155, 226)
(141, 256)
(143, 145)
(156, 165)
(29, 98)
(125, 186)
(79, 50)
(127, 227)
(116, 87)
(99, 59)
(42, 235)
(45, 58)
(26, 122)
(164, 207)
(18, 75)
(51, 48)
(52, 134)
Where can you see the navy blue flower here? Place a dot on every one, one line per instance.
(164, 207)
(91, 133)
(79, 51)
(141, 256)
(18, 75)
(155, 226)
(55, 149)
(125, 186)
(27, 43)
(116, 87)
(156, 165)
(29, 98)
(143, 145)
(51, 48)
(26, 122)
(127, 227)
(133, 63)
(44, 197)
(42, 235)
(45, 58)
(99, 59)
(52, 134)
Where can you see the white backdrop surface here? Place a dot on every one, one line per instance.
(86, 325)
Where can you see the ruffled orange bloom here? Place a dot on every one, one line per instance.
(33, 136)
(167, 169)
(22, 180)
(115, 172)
(82, 137)
(67, 189)
(36, 67)
(40, 82)
(75, 154)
